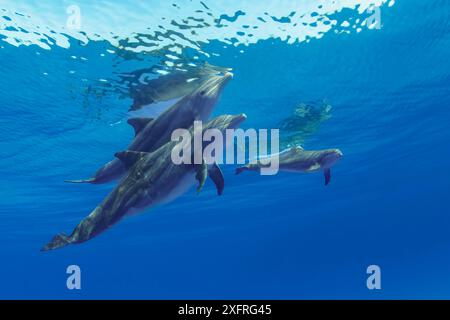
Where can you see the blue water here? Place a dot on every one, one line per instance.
(63, 114)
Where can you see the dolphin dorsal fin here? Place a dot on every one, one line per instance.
(129, 158)
(139, 123)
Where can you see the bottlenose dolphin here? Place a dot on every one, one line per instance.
(173, 85)
(297, 159)
(153, 179)
(150, 134)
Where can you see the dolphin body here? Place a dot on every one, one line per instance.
(174, 85)
(153, 179)
(150, 134)
(297, 159)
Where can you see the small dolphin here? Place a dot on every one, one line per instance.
(153, 179)
(150, 134)
(173, 85)
(303, 123)
(297, 159)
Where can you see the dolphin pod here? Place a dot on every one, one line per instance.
(150, 134)
(153, 179)
(148, 175)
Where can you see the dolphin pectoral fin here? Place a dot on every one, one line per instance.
(139, 123)
(58, 241)
(217, 177)
(91, 180)
(202, 174)
(327, 174)
(129, 158)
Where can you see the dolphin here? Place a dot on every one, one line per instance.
(173, 85)
(303, 123)
(150, 134)
(296, 159)
(153, 179)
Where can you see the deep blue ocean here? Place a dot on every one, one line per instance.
(382, 66)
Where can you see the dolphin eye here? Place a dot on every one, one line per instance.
(202, 93)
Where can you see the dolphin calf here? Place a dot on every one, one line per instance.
(150, 134)
(153, 179)
(297, 159)
(173, 85)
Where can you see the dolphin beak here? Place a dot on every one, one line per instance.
(225, 79)
(237, 120)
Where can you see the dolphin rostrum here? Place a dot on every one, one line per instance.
(150, 134)
(153, 179)
(173, 85)
(298, 160)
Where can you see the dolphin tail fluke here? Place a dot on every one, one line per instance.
(59, 241)
(91, 180)
(240, 170)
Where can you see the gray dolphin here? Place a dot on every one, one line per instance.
(150, 134)
(297, 159)
(153, 179)
(173, 85)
